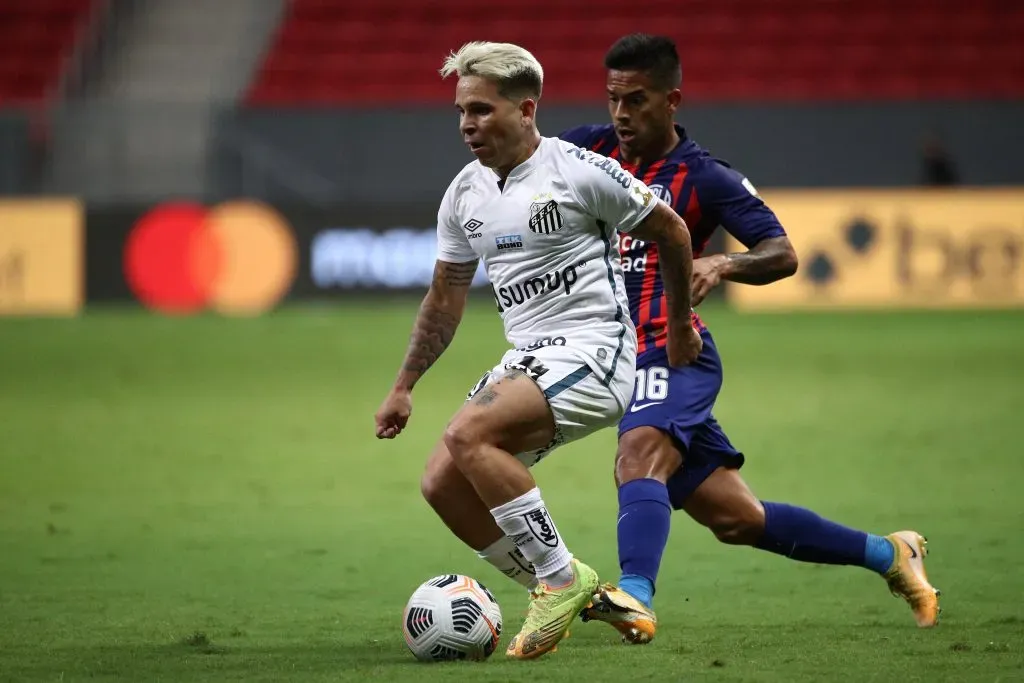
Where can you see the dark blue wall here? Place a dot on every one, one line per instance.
(389, 156)
(15, 153)
(330, 156)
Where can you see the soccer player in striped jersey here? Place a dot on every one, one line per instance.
(672, 452)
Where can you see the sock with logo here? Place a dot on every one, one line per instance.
(644, 519)
(526, 521)
(507, 558)
(802, 535)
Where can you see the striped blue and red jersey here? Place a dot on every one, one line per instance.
(707, 192)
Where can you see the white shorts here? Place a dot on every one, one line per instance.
(580, 401)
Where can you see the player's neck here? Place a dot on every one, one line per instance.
(655, 152)
(529, 145)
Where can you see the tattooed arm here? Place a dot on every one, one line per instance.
(436, 322)
(769, 260)
(731, 200)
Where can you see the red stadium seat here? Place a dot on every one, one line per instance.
(36, 38)
(336, 52)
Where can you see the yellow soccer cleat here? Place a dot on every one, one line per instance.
(551, 613)
(908, 580)
(630, 617)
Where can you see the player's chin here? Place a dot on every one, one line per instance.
(628, 141)
(488, 161)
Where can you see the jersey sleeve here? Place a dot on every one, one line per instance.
(452, 243)
(608, 192)
(728, 197)
(582, 136)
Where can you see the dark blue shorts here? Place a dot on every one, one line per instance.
(679, 402)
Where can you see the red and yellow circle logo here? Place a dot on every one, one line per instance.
(237, 258)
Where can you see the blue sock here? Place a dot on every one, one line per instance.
(800, 534)
(878, 553)
(644, 518)
(640, 587)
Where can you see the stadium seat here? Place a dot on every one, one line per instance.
(36, 38)
(334, 52)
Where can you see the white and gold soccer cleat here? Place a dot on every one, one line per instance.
(630, 617)
(907, 578)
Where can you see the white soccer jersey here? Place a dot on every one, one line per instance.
(547, 239)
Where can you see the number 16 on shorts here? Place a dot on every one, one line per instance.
(651, 386)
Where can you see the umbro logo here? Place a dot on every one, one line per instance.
(472, 225)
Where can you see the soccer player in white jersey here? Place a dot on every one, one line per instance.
(543, 215)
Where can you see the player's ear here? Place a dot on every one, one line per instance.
(528, 110)
(674, 99)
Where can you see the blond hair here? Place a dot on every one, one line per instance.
(515, 71)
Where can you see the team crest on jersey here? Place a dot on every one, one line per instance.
(662, 193)
(545, 218)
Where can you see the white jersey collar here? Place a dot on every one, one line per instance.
(523, 169)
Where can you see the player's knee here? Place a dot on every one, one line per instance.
(646, 453)
(432, 486)
(442, 481)
(462, 438)
(740, 526)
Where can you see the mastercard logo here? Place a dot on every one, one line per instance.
(237, 258)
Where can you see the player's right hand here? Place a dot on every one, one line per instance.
(393, 414)
(684, 347)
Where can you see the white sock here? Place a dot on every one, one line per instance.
(508, 559)
(526, 521)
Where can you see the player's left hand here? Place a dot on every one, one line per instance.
(707, 274)
(393, 414)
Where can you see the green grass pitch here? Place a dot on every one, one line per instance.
(203, 500)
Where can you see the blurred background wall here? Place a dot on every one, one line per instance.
(336, 107)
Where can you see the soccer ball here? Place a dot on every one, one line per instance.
(451, 617)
